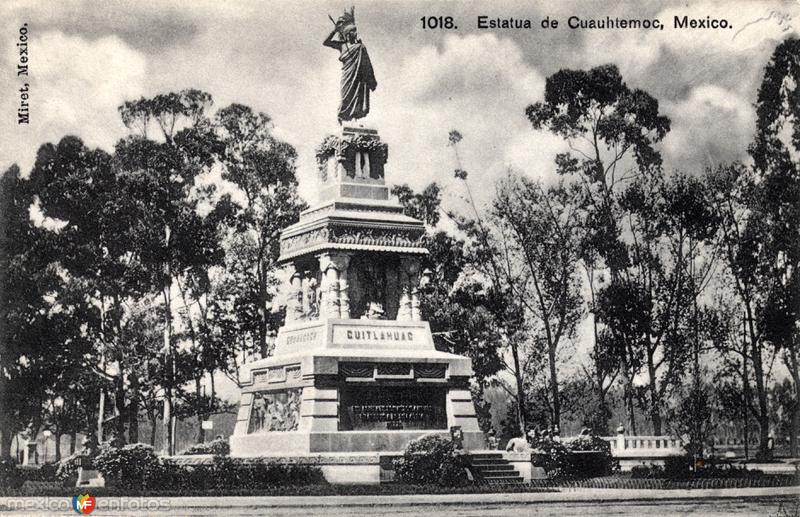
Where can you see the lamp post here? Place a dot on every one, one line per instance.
(46, 435)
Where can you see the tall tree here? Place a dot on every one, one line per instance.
(606, 124)
(171, 237)
(263, 168)
(539, 237)
(742, 234)
(776, 205)
(667, 221)
(41, 329)
(463, 316)
(77, 187)
(489, 279)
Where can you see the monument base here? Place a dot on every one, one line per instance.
(337, 394)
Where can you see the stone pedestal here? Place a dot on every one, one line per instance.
(355, 375)
(30, 453)
(353, 386)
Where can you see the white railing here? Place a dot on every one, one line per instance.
(623, 446)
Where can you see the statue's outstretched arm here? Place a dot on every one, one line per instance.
(329, 41)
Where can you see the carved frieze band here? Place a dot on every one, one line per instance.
(353, 235)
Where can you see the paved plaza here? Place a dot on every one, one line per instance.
(779, 502)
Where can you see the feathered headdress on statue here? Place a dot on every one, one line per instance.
(346, 22)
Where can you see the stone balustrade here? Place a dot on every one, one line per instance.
(623, 446)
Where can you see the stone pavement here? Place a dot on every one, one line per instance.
(156, 505)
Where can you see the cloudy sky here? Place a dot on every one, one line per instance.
(86, 58)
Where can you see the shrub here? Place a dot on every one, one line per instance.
(67, 470)
(9, 474)
(678, 467)
(647, 472)
(591, 456)
(132, 466)
(263, 474)
(555, 459)
(431, 460)
(218, 447)
(46, 472)
(137, 467)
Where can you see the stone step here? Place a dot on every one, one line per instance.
(488, 461)
(487, 455)
(493, 469)
(505, 469)
(500, 475)
(503, 481)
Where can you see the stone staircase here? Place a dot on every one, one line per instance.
(491, 468)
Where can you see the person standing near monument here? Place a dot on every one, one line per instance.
(358, 77)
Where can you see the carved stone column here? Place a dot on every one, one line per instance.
(330, 286)
(341, 262)
(414, 281)
(409, 271)
(294, 304)
(306, 287)
(362, 164)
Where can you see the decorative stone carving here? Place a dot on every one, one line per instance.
(293, 373)
(304, 240)
(374, 312)
(358, 370)
(390, 237)
(276, 374)
(430, 371)
(260, 377)
(275, 411)
(330, 286)
(376, 236)
(361, 155)
(294, 304)
(341, 261)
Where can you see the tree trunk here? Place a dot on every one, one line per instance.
(521, 410)
(101, 413)
(794, 369)
(73, 442)
(794, 428)
(133, 411)
(628, 396)
(551, 352)
(169, 365)
(57, 436)
(761, 392)
(201, 433)
(153, 427)
(602, 408)
(119, 405)
(655, 414)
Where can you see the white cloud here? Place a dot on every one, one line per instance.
(76, 86)
(711, 125)
(753, 25)
(479, 85)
